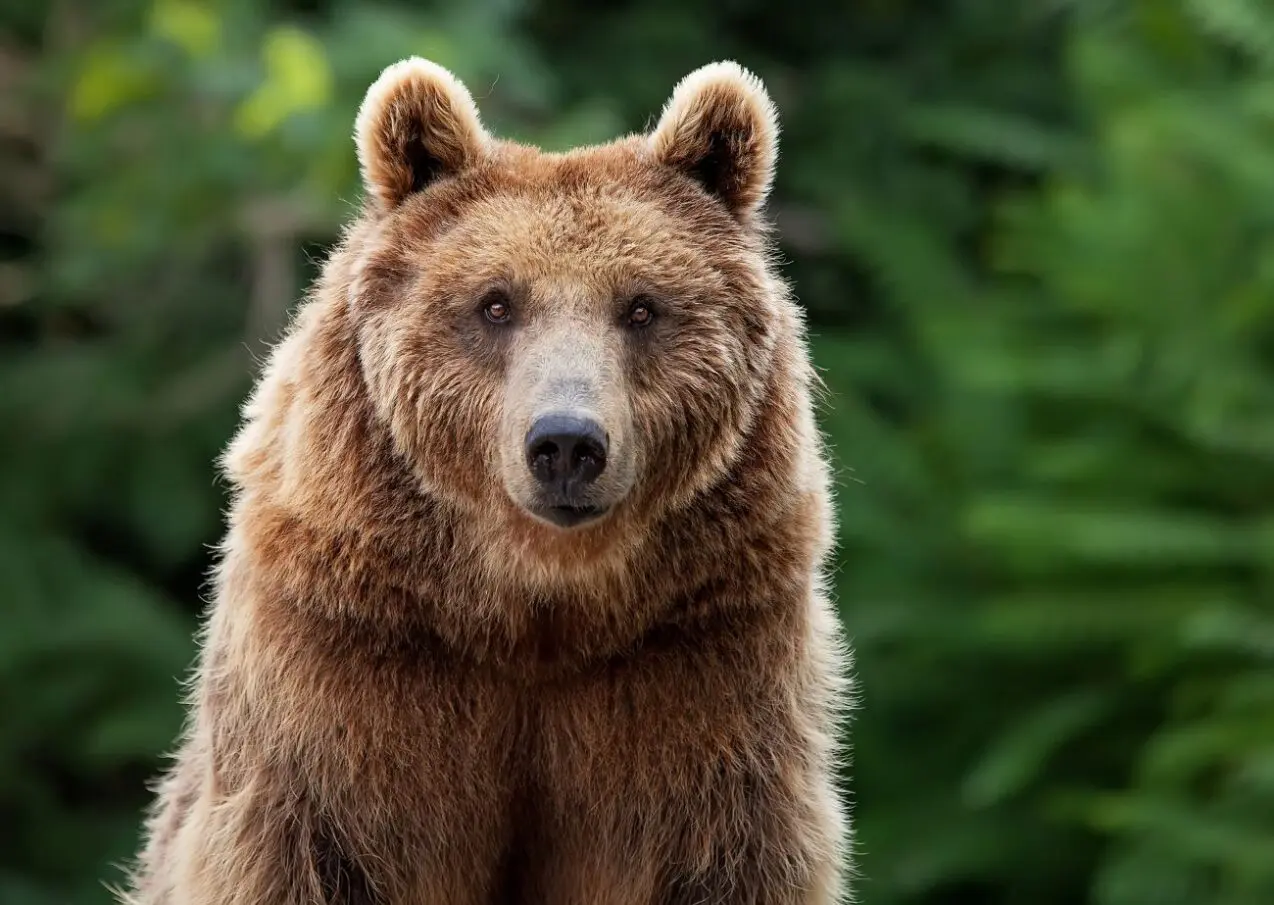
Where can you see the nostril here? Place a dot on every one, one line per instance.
(545, 449)
(588, 459)
(542, 457)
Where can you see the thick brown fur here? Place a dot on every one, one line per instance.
(412, 690)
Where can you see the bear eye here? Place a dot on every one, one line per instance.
(641, 312)
(496, 309)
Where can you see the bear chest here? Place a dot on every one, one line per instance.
(507, 790)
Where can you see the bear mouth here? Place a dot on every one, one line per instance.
(569, 515)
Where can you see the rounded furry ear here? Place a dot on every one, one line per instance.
(417, 124)
(720, 129)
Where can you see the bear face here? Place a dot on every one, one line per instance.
(577, 342)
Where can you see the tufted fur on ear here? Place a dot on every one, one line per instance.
(417, 124)
(720, 129)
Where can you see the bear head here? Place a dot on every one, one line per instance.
(576, 335)
(565, 349)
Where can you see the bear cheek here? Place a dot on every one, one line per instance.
(442, 413)
(456, 439)
(691, 410)
(459, 414)
(663, 466)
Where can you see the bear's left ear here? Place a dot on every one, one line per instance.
(720, 129)
(417, 124)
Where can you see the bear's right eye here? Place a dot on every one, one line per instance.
(496, 309)
(641, 313)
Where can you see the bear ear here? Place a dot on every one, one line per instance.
(720, 129)
(417, 124)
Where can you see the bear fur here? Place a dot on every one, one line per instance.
(413, 688)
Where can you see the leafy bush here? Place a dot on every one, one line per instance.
(1058, 569)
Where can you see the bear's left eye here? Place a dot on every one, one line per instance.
(496, 308)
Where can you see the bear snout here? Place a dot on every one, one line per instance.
(565, 453)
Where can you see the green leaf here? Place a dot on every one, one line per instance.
(1021, 754)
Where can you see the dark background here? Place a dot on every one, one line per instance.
(1036, 242)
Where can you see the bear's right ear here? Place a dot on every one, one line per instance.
(417, 124)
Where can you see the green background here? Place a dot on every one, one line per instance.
(1036, 242)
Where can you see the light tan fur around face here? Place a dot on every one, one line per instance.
(414, 691)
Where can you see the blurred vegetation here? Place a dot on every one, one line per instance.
(1036, 241)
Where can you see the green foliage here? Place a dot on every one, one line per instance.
(1083, 655)
(1034, 242)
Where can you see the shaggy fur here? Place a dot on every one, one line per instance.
(412, 690)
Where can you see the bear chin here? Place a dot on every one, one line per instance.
(568, 516)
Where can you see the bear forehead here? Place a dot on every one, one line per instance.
(597, 213)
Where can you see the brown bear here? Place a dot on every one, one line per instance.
(521, 598)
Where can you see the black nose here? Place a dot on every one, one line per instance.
(565, 452)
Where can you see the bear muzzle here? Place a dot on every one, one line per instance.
(566, 453)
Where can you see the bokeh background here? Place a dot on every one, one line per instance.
(1036, 242)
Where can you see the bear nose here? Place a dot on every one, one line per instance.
(565, 451)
